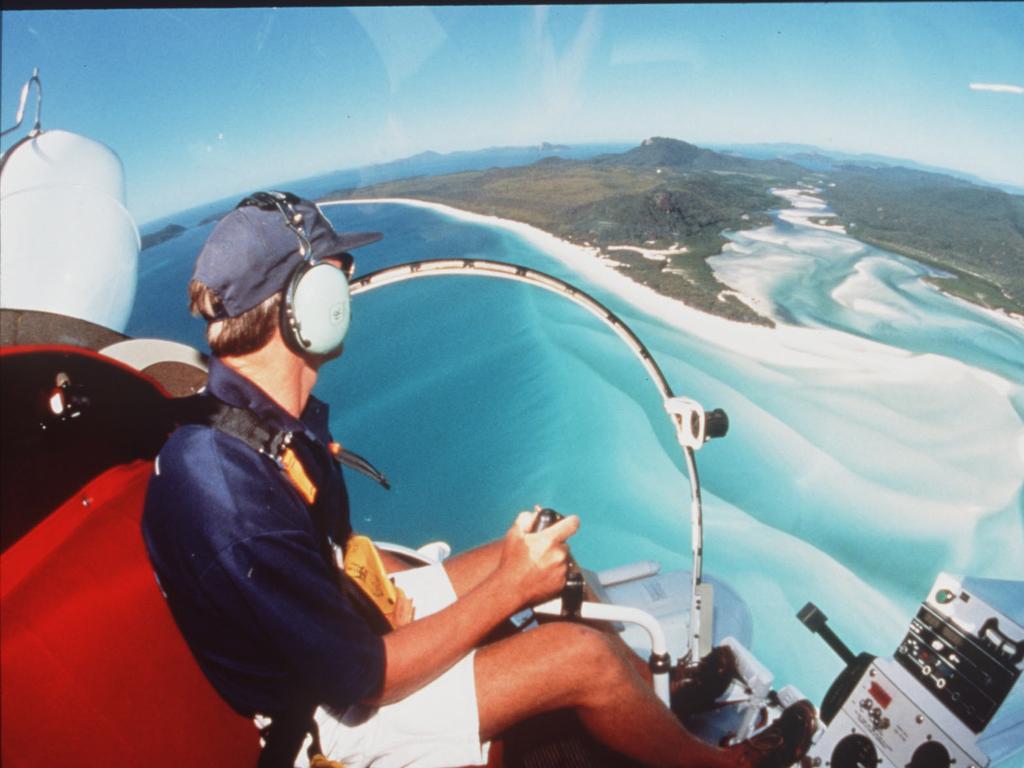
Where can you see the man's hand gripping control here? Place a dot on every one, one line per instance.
(535, 564)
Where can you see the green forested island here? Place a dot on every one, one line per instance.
(668, 194)
(169, 232)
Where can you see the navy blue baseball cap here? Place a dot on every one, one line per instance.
(252, 251)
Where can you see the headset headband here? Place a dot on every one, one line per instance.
(284, 202)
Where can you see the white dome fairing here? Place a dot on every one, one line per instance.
(68, 245)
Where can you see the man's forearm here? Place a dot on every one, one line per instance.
(465, 570)
(420, 651)
(531, 567)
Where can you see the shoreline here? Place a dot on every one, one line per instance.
(592, 263)
(792, 345)
(789, 345)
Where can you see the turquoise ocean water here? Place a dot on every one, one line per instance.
(876, 438)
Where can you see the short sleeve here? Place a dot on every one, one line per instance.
(289, 594)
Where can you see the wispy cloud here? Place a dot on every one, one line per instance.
(562, 73)
(404, 38)
(265, 29)
(997, 88)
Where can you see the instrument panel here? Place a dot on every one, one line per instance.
(926, 708)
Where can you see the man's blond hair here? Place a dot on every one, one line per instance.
(233, 336)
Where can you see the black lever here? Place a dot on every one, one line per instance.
(572, 592)
(856, 665)
(816, 621)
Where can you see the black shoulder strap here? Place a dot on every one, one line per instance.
(254, 432)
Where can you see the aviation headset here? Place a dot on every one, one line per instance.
(316, 306)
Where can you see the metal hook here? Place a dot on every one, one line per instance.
(21, 105)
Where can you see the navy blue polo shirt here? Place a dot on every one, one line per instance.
(240, 560)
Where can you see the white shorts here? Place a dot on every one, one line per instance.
(435, 727)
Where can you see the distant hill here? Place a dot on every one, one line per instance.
(818, 159)
(682, 156)
(430, 162)
(658, 151)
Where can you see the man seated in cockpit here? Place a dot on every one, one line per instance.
(245, 517)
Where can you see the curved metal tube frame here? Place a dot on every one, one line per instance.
(20, 115)
(485, 268)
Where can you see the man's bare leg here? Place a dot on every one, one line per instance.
(562, 665)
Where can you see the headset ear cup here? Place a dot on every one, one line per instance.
(319, 308)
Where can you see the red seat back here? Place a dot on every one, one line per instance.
(95, 671)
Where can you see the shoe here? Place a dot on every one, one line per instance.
(695, 688)
(783, 742)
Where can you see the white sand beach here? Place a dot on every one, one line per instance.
(589, 261)
(651, 253)
(783, 345)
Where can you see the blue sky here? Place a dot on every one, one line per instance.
(202, 104)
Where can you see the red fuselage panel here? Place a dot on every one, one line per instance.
(94, 669)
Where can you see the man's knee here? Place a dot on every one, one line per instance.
(555, 665)
(596, 657)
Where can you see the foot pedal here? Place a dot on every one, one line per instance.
(757, 676)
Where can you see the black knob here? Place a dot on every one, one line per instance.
(545, 519)
(716, 423)
(855, 751)
(931, 754)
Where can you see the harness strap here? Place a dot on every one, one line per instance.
(254, 432)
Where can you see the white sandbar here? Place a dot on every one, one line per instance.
(805, 208)
(651, 253)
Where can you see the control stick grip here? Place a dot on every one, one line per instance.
(575, 585)
(545, 519)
